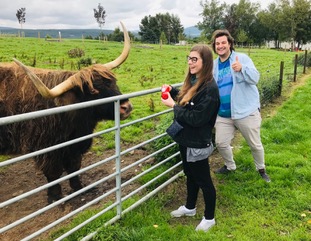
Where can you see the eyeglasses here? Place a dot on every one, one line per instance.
(193, 59)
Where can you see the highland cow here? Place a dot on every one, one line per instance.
(25, 89)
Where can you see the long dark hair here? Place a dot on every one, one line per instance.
(187, 91)
(220, 33)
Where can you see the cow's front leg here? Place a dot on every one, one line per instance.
(54, 193)
(75, 183)
(52, 170)
(73, 166)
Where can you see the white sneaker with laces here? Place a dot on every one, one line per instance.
(205, 225)
(183, 211)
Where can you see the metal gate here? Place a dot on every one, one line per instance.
(109, 198)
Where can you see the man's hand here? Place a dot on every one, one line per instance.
(237, 66)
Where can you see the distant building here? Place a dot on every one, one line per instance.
(182, 43)
(289, 45)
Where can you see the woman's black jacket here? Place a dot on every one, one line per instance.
(197, 117)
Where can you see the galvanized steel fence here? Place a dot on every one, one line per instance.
(112, 199)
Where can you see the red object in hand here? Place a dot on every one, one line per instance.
(164, 95)
(165, 91)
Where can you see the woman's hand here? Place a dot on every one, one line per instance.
(166, 87)
(169, 102)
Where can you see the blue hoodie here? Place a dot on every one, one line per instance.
(245, 95)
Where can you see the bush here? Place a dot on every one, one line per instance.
(269, 89)
(88, 37)
(84, 62)
(76, 53)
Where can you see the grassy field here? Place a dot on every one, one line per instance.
(247, 207)
(148, 66)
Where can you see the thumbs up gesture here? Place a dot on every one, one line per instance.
(237, 66)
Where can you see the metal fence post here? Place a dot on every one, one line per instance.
(118, 158)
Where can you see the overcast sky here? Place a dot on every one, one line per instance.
(79, 14)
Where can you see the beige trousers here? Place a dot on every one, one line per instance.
(249, 127)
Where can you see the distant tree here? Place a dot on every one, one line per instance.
(181, 36)
(246, 12)
(288, 20)
(21, 13)
(271, 19)
(164, 25)
(88, 37)
(282, 20)
(301, 13)
(163, 37)
(259, 33)
(151, 28)
(241, 37)
(118, 36)
(231, 19)
(100, 15)
(213, 17)
(177, 30)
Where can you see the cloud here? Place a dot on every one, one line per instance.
(79, 14)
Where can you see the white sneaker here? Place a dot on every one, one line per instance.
(205, 225)
(183, 211)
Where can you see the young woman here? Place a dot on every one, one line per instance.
(195, 110)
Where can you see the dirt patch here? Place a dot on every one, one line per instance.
(22, 177)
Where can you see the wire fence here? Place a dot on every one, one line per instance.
(270, 86)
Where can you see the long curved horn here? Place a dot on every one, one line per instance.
(41, 87)
(72, 80)
(126, 50)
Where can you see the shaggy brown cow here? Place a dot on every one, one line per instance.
(18, 94)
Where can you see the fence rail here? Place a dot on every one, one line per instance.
(114, 193)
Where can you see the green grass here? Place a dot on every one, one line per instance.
(148, 66)
(247, 207)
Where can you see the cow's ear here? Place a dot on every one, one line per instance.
(67, 98)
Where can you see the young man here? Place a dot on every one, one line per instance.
(236, 77)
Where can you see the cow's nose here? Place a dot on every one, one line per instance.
(125, 110)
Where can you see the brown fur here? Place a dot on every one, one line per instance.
(19, 95)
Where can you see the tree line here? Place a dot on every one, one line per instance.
(281, 21)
